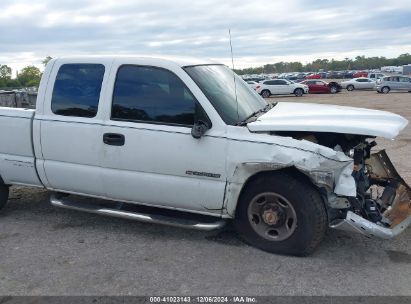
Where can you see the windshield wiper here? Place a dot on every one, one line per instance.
(268, 107)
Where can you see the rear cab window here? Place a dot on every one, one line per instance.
(77, 90)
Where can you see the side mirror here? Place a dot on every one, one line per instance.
(199, 128)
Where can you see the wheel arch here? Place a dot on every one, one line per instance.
(235, 190)
(265, 90)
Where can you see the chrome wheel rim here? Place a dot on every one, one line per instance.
(272, 216)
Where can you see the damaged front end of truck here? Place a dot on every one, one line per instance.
(382, 206)
(362, 190)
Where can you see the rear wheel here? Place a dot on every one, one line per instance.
(4, 194)
(298, 92)
(265, 93)
(281, 213)
(385, 90)
(350, 87)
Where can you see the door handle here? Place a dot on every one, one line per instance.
(114, 139)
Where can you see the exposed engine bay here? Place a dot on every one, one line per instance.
(383, 198)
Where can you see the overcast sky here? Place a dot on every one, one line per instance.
(262, 31)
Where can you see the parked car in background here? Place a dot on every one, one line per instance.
(323, 75)
(314, 76)
(393, 83)
(360, 74)
(375, 75)
(361, 83)
(281, 87)
(320, 86)
(256, 79)
(301, 76)
(252, 84)
(348, 74)
(335, 75)
(292, 77)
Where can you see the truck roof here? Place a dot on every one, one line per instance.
(180, 61)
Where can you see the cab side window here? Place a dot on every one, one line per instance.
(152, 95)
(77, 90)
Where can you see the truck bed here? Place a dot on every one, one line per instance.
(17, 160)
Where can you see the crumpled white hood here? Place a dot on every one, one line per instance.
(292, 116)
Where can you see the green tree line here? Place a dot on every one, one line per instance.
(358, 63)
(29, 76)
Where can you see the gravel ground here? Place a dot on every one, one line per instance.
(50, 251)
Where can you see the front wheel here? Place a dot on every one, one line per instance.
(298, 92)
(350, 87)
(385, 90)
(4, 194)
(333, 90)
(281, 213)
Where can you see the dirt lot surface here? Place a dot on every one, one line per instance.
(49, 251)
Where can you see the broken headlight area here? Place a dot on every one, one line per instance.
(323, 179)
(382, 207)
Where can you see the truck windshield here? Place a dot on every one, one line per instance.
(233, 102)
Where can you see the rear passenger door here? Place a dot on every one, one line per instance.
(393, 82)
(70, 125)
(280, 86)
(152, 157)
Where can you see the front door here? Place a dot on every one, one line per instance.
(404, 84)
(150, 156)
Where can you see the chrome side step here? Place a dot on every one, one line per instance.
(62, 202)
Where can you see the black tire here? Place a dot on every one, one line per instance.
(333, 89)
(385, 90)
(265, 93)
(298, 92)
(4, 194)
(350, 87)
(311, 216)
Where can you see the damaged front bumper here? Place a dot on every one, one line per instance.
(397, 216)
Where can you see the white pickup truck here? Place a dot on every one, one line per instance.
(188, 143)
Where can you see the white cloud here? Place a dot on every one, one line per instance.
(262, 31)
